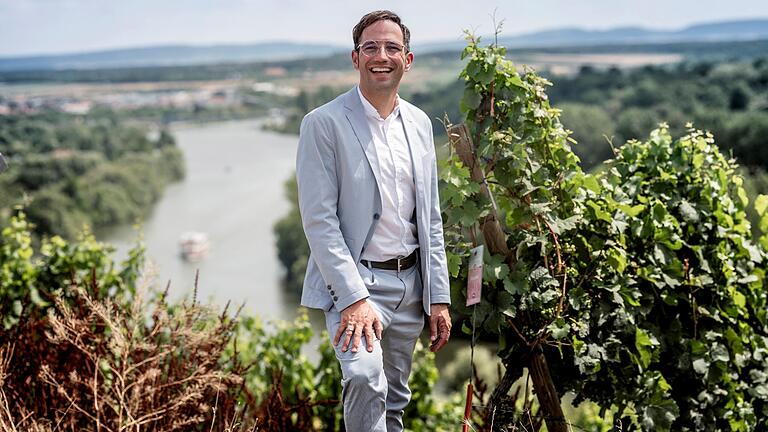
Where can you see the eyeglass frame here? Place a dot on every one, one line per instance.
(379, 45)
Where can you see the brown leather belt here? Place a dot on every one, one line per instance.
(398, 264)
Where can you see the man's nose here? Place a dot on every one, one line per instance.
(381, 51)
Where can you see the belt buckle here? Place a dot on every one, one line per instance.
(399, 260)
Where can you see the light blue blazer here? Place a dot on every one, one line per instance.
(340, 202)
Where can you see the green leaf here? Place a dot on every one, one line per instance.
(486, 74)
(471, 100)
(495, 268)
(632, 211)
(454, 264)
(701, 366)
(468, 214)
(539, 274)
(467, 330)
(754, 253)
(513, 287)
(761, 203)
(663, 384)
(688, 212)
(598, 211)
(515, 80)
(590, 182)
(644, 344)
(738, 299)
(698, 160)
(560, 226)
(617, 259)
(719, 353)
(659, 414)
(742, 194)
(559, 329)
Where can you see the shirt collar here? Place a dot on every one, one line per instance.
(370, 110)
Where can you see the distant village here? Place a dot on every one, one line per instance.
(80, 99)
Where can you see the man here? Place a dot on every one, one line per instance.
(369, 206)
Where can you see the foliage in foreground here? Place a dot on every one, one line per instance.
(640, 285)
(88, 345)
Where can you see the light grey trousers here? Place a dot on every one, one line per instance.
(375, 384)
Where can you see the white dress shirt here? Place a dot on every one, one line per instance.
(395, 234)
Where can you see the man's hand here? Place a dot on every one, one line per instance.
(356, 319)
(439, 326)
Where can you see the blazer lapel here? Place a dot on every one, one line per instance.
(415, 145)
(356, 116)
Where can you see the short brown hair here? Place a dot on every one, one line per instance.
(376, 16)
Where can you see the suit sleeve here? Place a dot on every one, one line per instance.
(318, 199)
(440, 289)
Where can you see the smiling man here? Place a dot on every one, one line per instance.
(369, 206)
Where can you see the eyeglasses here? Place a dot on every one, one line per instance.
(372, 47)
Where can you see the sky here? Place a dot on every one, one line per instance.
(32, 27)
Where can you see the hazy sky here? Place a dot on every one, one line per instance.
(59, 26)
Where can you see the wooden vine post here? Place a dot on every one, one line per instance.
(496, 242)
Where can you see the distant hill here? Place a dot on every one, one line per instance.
(743, 30)
(170, 55)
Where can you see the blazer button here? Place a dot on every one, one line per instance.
(332, 293)
(335, 298)
(329, 287)
(376, 216)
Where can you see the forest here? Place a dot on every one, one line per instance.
(69, 171)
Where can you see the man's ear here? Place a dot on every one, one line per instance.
(355, 59)
(408, 61)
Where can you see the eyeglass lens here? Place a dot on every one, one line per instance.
(371, 48)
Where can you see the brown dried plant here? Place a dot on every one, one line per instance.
(144, 366)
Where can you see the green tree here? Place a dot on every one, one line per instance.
(292, 246)
(594, 134)
(38, 170)
(51, 210)
(746, 135)
(68, 171)
(740, 96)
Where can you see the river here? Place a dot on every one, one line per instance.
(233, 191)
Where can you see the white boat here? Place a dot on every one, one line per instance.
(194, 245)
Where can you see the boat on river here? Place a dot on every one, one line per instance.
(194, 245)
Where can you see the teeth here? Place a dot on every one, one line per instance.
(380, 70)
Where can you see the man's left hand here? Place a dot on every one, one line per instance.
(439, 326)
